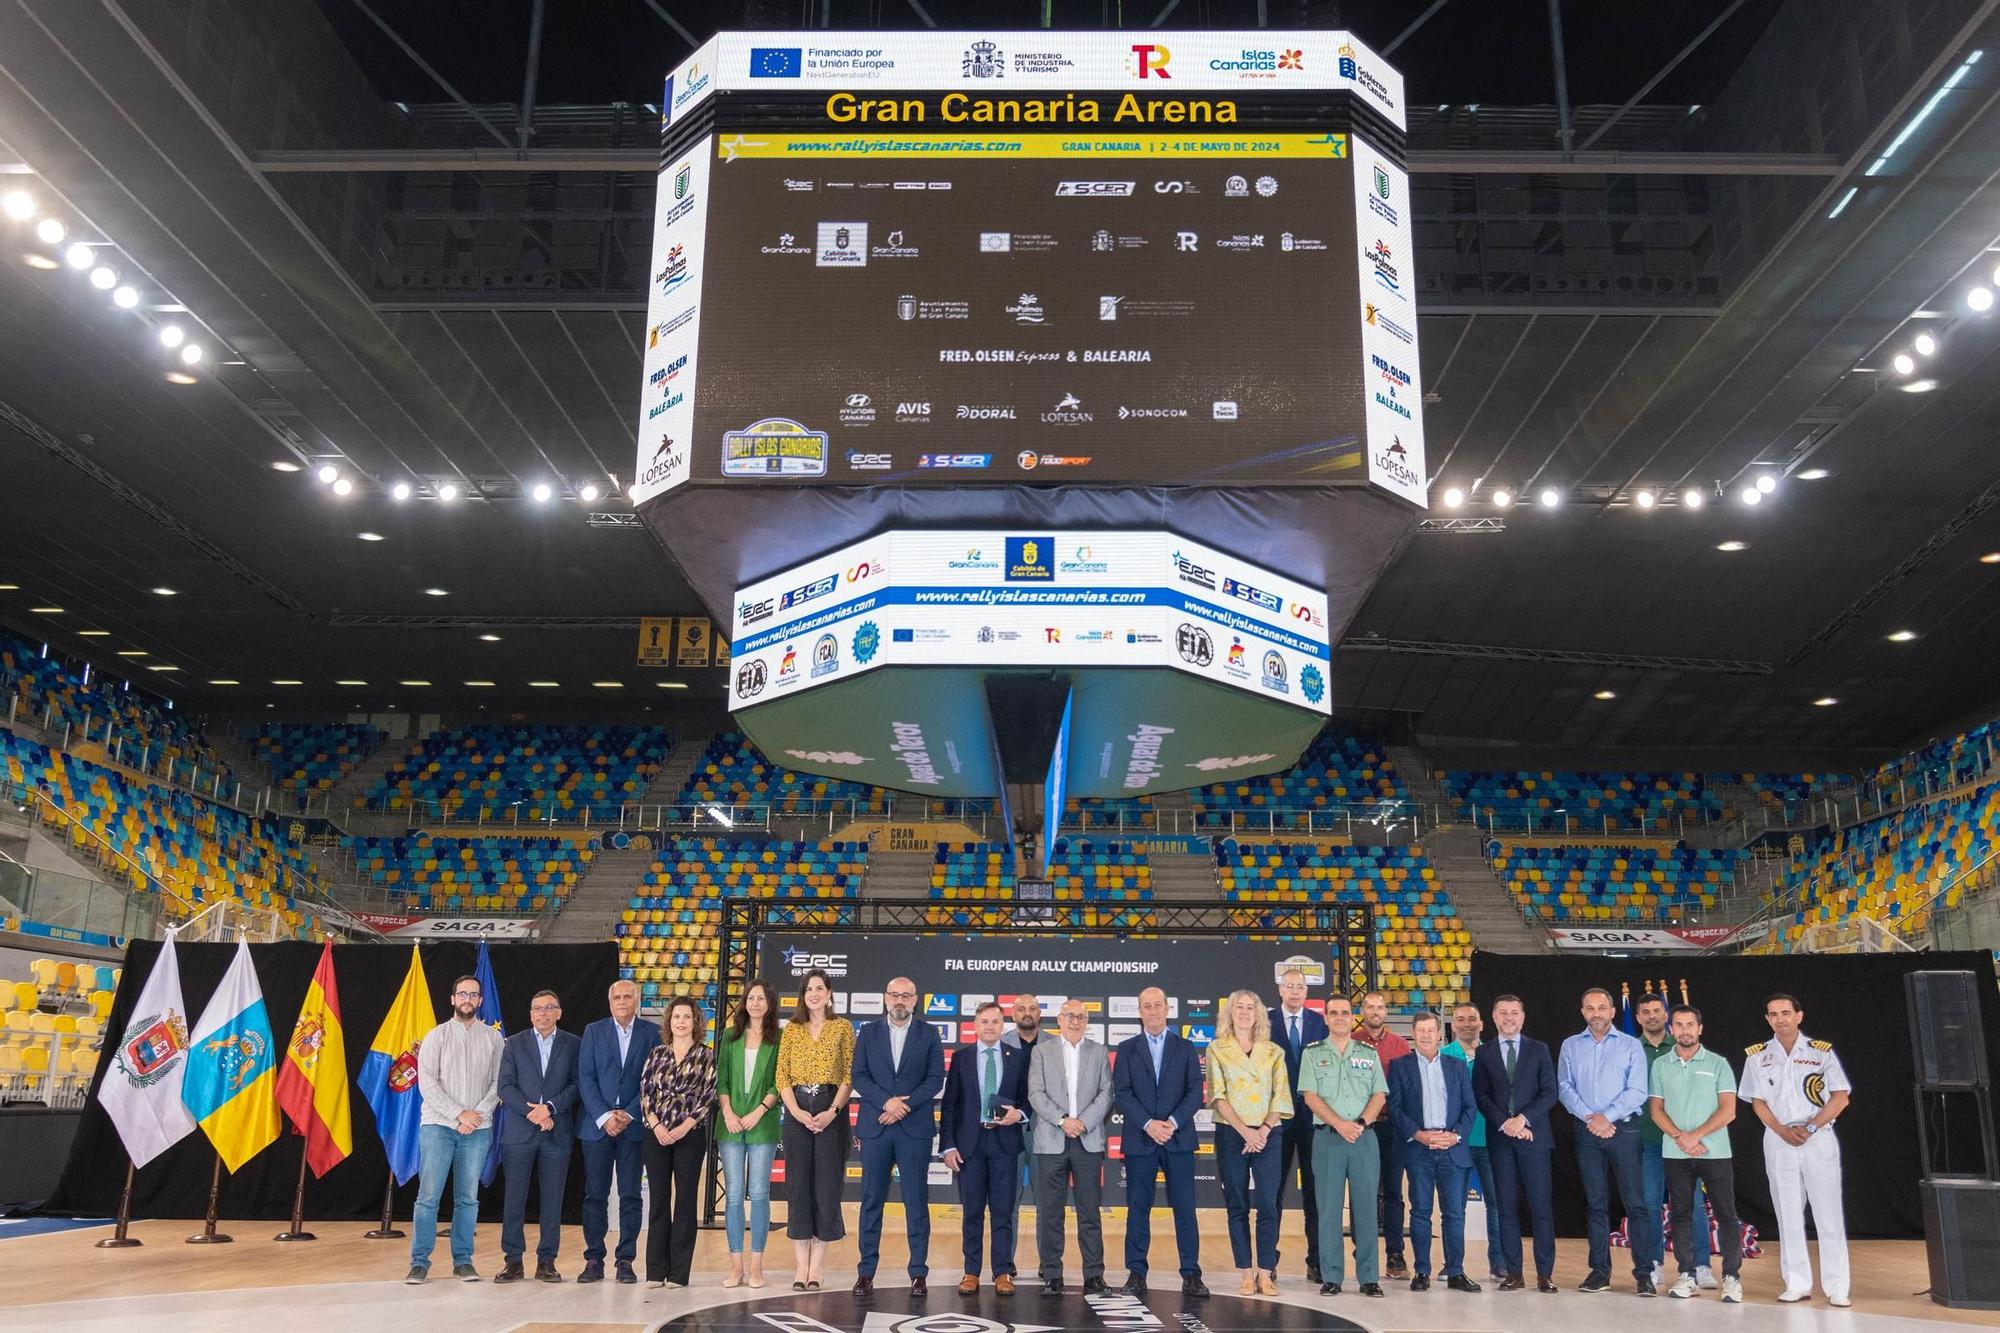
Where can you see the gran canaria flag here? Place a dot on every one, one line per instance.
(312, 1082)
(389, 1074)
(229, 1087)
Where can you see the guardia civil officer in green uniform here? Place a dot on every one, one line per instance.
(1342, 1084)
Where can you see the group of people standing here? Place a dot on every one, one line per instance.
(1352, 1107)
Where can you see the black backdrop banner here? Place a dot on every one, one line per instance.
(1854, 1001)
(175, 1184)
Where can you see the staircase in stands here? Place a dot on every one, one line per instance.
(340, 796)
(601, 897)
(905, 875)
(1456, 850)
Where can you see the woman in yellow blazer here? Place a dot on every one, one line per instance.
(1250, 1095)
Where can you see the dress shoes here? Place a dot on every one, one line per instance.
(919, 1287)
(864, 1287)
(510, 1272)
(1547, 1284)
(1371, 1289)
(1193, 1286)
(593, 1271)
(1135, 1285)
(1329, 1289)
(968, 1285)
(1460, 1282)
(545, 1271)
(1052, 1287)
(1004, 1284)
(1421, 1282)
(1093, 1286)
(1510, 1282)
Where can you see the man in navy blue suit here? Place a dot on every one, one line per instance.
(1295, 1027)
(979, 1130)
(608, 1068)
(538, 1084)
(1514, 1081)
(898, 1069)
(1156, 1087)
(1430, 1105)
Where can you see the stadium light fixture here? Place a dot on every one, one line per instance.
(39, 261)
(1825, 701)
(1814, 474)
(1453, 497)
(1550, 497)
(191, 354)
(1979, 299)
(1732, 545)
(671, 684)
(327, 474)
(437, 592)
(608, 684)
(179, 377)
(1919, 386)
(172, 336)
(542, 492)
(93, 634)
(288, 682)
(489, 638)
(480, 684)
(1767, 482)
(79, 256)
(104, 277)
(125, 298)
(283, 465)
(343, 487)
(50, 231)
(166, 592)
(225, 682)
(1902, 636)
(131, 652)
(1751, 495)
(544, 685)
(1502, 498)
(369, 536)
(1990, 558)
(447, 492)
(1605, 694)
(414, 684)
(1925, 344)
(350, 682)
(1643, 499)
(18, 205)
(1904, 363)
(400, 492)
(52, 611)
(1692, 498)
(588, 493)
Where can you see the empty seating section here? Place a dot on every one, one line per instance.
(1941, 765)
(732, 771)
(54, 1015)
(1620, 884)
(1784, 789)
(1560, 802)
(1891, 868)
(1128, 812)
(668, 935)
(1423, 954)
(970, 870)
(59, 696)
(307, 759)
(535, 774)
(199, 852)
(432, 873)
(1337, 773)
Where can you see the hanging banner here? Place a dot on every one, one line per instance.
(656, 641)
(692, 644)
(1679, 939)
(402, 926)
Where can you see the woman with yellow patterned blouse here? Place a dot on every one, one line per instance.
(1251, 1098)
(815, 1059)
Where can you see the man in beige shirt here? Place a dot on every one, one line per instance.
(458, 1078)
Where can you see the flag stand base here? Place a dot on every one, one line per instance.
(208, 1235)
(384, 1233)
(294, 1235)
(387, 1231)
(211, 1238)
(117, 1243)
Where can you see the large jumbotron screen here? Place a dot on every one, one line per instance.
(972, 260)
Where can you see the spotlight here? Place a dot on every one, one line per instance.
(191, 354)
(1692, 498)
(1814, 474)
(1766, 482)
(18, 205)
(166, 592)
(39, 261)
(588, 494)
(1825, 701)
(125, 297)
(172, 336)
(327, 473)
(79, 256)
(284, 465)
(1644, 499)
(1904, 363)
(369, 536)
(343, 487)
(1751, 495)
(1925, 344)
(447, 492)
(1453, 498)
(104, 277)
(1902, 636)
(1605, 694)
(489, 638)
(1990, 558)
(180, 377)
(1979, 299)
(1550, 497)
(436, 592)
(1502, 498)
(542, 492)
(50, 231)
(400, 491)
(1732, 546)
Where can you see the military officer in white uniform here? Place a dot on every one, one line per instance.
(1798, 1090)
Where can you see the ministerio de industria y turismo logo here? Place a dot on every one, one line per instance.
(891, 1310)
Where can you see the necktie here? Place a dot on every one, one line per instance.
(1295, 1033)
(1509, 1048)
(990, 1084)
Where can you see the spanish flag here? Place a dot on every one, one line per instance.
(389, 1074)
(231, 1067)
(312, 1081)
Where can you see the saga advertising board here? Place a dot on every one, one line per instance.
(954, 975)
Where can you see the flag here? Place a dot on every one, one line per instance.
(141, 1091)
(489, 1014)
(232, 1067)
(389, 1074)
(1627, 1023)
(312, 1081)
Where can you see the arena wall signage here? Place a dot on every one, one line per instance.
(997, 259)
(1676, 939)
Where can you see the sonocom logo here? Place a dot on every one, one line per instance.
(1095, 189)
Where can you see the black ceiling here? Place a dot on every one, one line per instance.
(1599, 330)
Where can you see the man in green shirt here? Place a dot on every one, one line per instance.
(1693, 1099)
(1342, 1085)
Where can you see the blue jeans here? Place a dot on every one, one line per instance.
(1599, 1161)
(1653, 1170)
(1482, 1162)
(746, 1172)
(1247, 1179)
(1433, 1172)
(447, 1155)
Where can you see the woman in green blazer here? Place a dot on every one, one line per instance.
(746, 1086)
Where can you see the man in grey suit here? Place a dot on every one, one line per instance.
(538, 1084)
(1069, 1092)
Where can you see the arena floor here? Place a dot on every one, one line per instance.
(342, 1282)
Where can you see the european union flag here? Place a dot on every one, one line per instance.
(902, 636)
(777, 62)
(489, 1014)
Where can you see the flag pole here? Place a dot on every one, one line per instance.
(387, 1231)
(298, 1231)
(118, 1240)
(208, 1234)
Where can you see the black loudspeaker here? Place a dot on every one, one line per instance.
(1945, 1031)
(1962, 1242)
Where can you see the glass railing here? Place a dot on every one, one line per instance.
(73, 906)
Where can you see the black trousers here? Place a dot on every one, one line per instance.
(815, 1169)
(1718, 1177)
(543, 1159)
(674, 1170)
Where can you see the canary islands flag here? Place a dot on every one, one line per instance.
(312, 1081)
(389, 1074)
(230, 1084)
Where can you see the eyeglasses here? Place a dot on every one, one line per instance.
(544, 1008)
(465, 995)
(901, 994)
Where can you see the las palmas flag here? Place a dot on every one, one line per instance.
(389, 1074)
(230, 1085)
(141, 1091)
(312, 1081)
(489, 1014)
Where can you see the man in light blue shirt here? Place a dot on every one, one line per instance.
(1601, 1079)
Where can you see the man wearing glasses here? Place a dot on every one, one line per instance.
(458, 1075)
(538, 1084)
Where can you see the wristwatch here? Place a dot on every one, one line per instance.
(1812, 1127)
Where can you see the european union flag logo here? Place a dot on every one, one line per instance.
(902, 636)
(776, 62)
